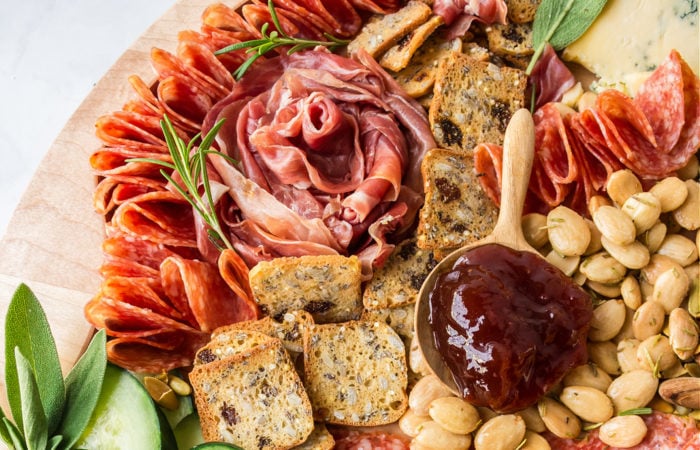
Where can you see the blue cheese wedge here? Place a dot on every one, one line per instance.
(631, 37)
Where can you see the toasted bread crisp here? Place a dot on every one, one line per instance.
(399, 318)
(382, 32)
(474, 101)
(418, 77)
(319, 439)
(254, 399)
(511, 39)
(355, 373)
(397, 283)
(456, 212)
(289, 329)
(398, 56)
(326, 286)
(230, 343)
(522, 11)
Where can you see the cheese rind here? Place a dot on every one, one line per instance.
(632, 37)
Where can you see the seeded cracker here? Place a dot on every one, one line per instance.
(418, 77)
(456, 212)
(355, 373)
(254, 399)
(326, 286)
(474, 101)
(397, 282)
(319, 439)
(289, 329)
(522, 11)
(229, 344)
(510, 40)
(398, 56)
(381, 33)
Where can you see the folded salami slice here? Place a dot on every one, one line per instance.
(156, 354)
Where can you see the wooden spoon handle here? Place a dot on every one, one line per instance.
(518, 153)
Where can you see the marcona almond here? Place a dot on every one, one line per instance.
(432, 436)
(633, 256)
(679, 248)
(603, 268)
(588, 375)
(425, 391)
(615, 225)
(658, 264)
(559, 419)
(410, 422)
(532, 419)
(604, 355)
(627, 355)
(607, 320)
(655, 353)
(688, 214)
(568, 232)
(654, 236)
(535, 229)
(534, 441)
(648, 320)
(503, 432)
(621, 185)
(671, 192)
(454, 415)
(623, 431)
(631, 292)
(682, 333)
(588, 403)
(644, 209)
(632, 390)
(670, 289)
(567, 264)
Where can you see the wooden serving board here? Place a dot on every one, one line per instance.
(53, 241)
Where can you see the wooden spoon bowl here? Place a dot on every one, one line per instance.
(518, 154)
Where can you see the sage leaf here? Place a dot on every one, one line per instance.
(33, 416)
(15, 436)
(83, 387)
(561, 22)
(55, 442)
(4, 432)
(27, 328)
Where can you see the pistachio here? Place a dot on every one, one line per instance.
(179, 386)
(161, 393)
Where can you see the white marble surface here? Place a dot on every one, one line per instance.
(52, 52)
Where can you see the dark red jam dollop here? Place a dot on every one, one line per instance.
(508, 325)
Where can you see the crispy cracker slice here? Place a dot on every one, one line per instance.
(418, 77)
(398, 56)
(379, 34)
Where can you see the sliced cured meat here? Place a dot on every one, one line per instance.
(199, 286)
(130, 130)
(346, 439)
(339, 16)
(550, 78)
(199, 57)
(377, 6)
(166, 64)
(459, 14)
(226, 18)
(234, 272)
(670, 99)
(162, 217)
(185, 105)
(665, 431)
(156, 355)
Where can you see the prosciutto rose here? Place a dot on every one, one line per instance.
(328, 153)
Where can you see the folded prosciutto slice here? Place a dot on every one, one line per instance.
(459, 14)
(327, 146)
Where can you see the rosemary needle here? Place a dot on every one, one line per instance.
(190, 164)
(276, 38)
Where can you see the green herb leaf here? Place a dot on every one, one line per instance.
(55, 442)
(635, 412)
(4, 431)
(275, 39)
(33, 416)
(16, 437)
(560, 23)
(27, 328)
(192, 168)
(83, 387)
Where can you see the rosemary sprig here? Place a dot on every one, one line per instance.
(276, 38)
(190, 163)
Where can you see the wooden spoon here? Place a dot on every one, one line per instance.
(518, 153)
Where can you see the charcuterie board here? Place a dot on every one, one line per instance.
(53, 240)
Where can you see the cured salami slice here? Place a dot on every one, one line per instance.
(664, 431)
(171, 351)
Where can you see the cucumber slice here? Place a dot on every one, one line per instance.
(125, 417)
(188, 433)
(216, 446)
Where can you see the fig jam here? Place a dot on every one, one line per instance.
(508, 325)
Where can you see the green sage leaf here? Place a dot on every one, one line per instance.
(15, 436)
(35, 424)
(4, 432)
(27, 328)
(561, 22)
(83, 387)
(55, 442)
